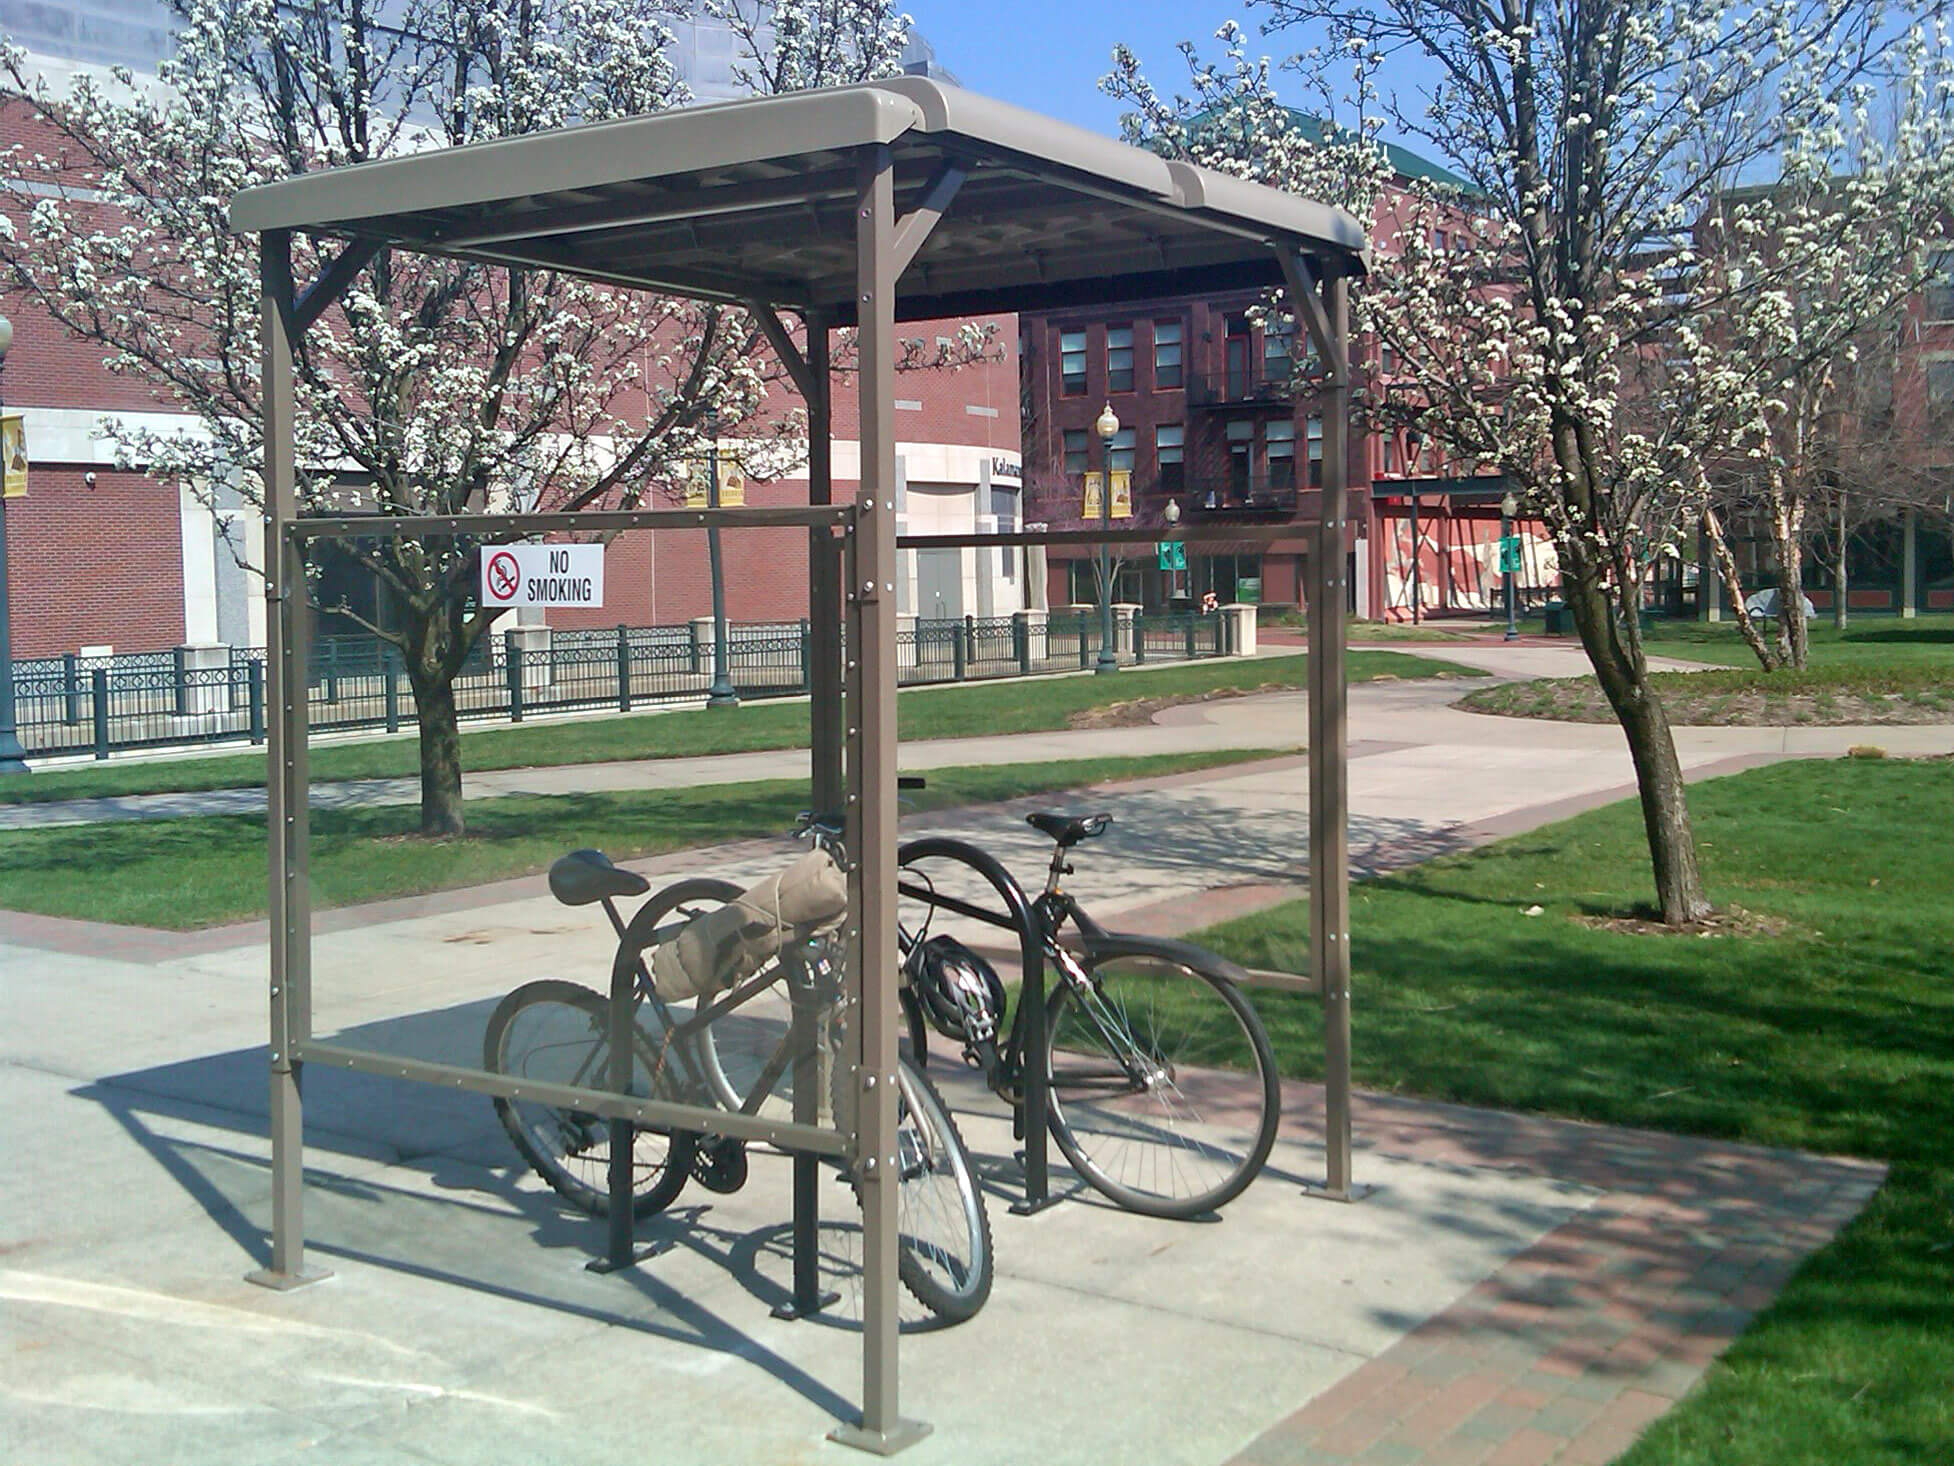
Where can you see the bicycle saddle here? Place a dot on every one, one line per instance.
(584, 876)
(1069, 829)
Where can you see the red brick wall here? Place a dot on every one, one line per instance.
(87, 566)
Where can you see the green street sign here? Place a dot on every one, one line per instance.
(1171, 555)
(1509, 555)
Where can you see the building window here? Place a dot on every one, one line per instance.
(1315, 451)
(1940, 388)
(1281, 439)
(1277, 349)
(1940, 290)
(1072, 363)
(1075, 451)
(1119, 452)
(1004, 504)
(1387, 361)
(1241, 458)
(1390, 454)
(1167, 355)
(1169, 454)
(1119, 358)
(1438, 240)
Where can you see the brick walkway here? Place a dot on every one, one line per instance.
(1585, 1338)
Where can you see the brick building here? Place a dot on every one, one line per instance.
(1211, 395)
(106, 559)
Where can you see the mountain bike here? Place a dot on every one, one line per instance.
(559, 1032)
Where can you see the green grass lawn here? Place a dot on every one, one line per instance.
(1028, 706)
(210, 869)
(1835, 1036)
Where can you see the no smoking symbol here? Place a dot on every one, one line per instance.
(504, 575)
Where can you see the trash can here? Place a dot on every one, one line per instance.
(1555, 615)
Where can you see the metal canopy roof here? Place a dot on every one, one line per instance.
(754, 200)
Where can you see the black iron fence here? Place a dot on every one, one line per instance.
(99, 705)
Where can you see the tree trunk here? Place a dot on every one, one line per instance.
(1794, 635)
(440, 733)
(1624, 680)
(1733, 587)
(1840, 613)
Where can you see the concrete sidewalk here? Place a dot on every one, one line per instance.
(1414, 712)
(1514, 1288)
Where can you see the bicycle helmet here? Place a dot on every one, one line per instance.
(961, 992)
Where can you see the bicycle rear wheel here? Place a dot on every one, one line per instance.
(558, 1033)
(734, 1049)
(1163, 1086)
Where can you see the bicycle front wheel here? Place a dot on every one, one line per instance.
(945, 1258)
(558, 1033)
(1163, 1086)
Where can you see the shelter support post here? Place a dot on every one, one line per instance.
(825, 736)
(1325, 312)
(871, 774)
(287, 822)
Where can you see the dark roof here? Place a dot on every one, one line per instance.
(1404, 163)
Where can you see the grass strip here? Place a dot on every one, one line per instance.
(1859, 691)
(207, 870)
(1033, 705)
(1836, 1035)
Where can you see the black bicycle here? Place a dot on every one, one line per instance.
(559, 1032)
(1162, 1085)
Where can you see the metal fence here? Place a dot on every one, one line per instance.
(98, 705)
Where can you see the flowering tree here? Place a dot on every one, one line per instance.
(431, 387)
(1533, 316)
(1803, 288)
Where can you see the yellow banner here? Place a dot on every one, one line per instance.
(732, 484)
(13, 453)
(1122, 494)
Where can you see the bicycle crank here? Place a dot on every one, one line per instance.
(719, 1164)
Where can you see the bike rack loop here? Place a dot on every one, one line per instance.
(1024, 920)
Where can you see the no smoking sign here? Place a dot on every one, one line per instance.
(543, 575)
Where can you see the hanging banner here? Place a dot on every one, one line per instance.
(13, 453)
(1122, 494)
(732, 483)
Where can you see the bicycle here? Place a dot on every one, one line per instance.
(1161, 1082)
(557, 1031)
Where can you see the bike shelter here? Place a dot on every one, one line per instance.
(852, 207)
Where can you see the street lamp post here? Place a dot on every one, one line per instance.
(1508, 508)
(721, 693)
(1108, 427)
(1171, 514)
(1414, 443)
(11, 753)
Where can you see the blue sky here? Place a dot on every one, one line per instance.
(1049, 57)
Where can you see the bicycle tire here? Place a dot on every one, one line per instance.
(945, 1258)
(558, 1032)
(1202, 1117)
(732, 1050)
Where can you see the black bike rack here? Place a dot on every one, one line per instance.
(1021, 917)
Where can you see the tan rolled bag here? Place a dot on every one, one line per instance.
(717, 949)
